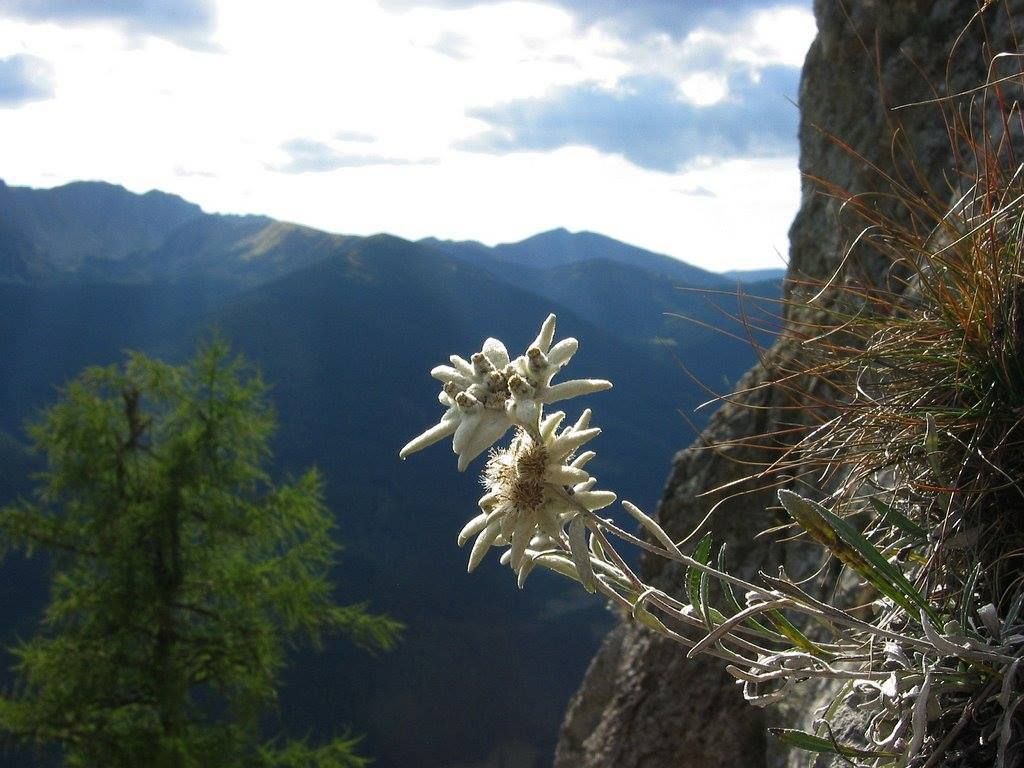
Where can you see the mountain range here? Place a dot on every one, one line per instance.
(346, 330)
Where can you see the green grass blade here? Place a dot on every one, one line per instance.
(734, 604)
(811, 743)
(897, 519)
(967, 597)
(706, 610)
(694, 577)
(931, 446)
(795, 636)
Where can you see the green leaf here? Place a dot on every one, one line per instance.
(897, 519)
(931, 446)
(811, 743)
(734, 604)
(696, 580)
(795, 636)
(711, 616)
(849, 545)
(967, 596)
(648, 619)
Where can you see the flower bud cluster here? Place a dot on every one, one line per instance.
(489, 393)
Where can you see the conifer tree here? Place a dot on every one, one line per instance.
(180, 573)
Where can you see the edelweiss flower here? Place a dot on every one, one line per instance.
(532, 488)
(490, 393)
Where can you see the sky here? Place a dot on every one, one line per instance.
(668, 124)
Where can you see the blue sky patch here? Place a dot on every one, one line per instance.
(646, 121)
(24, 78)
(187, 22)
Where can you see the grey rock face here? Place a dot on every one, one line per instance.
(642, 704)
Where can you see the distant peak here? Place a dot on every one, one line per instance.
(82, 184)
(559, 235)
(111, 191)
(558, 232)
(154, 193)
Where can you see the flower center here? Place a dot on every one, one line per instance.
(517, 473)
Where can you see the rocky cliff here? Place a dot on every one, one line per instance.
(874, 116)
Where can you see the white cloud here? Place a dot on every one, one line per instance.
(777, 36)
(773, 37)
(704, 88)
(210, 125)
(186, 22)
(24, 78)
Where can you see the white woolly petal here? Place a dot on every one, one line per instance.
(525, 413)
(521, 365)
(584, 420)
(571, 439)
(431, 436)
(562, 352)
(547, 521)
(489, 428)
(559, 508)
(467, 426)
(581, 553)
(543, 377)
(446, 373)
(508, 525)
(482, 544)
(505, 558)
(550, 424)
(559, 564)
(488, 500)
(496, 353)
(581, 460)
(520, 538)
(573, 388)
(493, 425)
(562, 475)
(585, 486)
(462, 366)
(547, 333)
(472, 528)
(594, 500)
(525, 569)
(498, 513)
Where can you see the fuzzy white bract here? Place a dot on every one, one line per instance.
(489, 393)
(537, 486)
(534, 487)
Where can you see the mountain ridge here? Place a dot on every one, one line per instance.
(559, 247)
(91, 219)
(96, 230)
